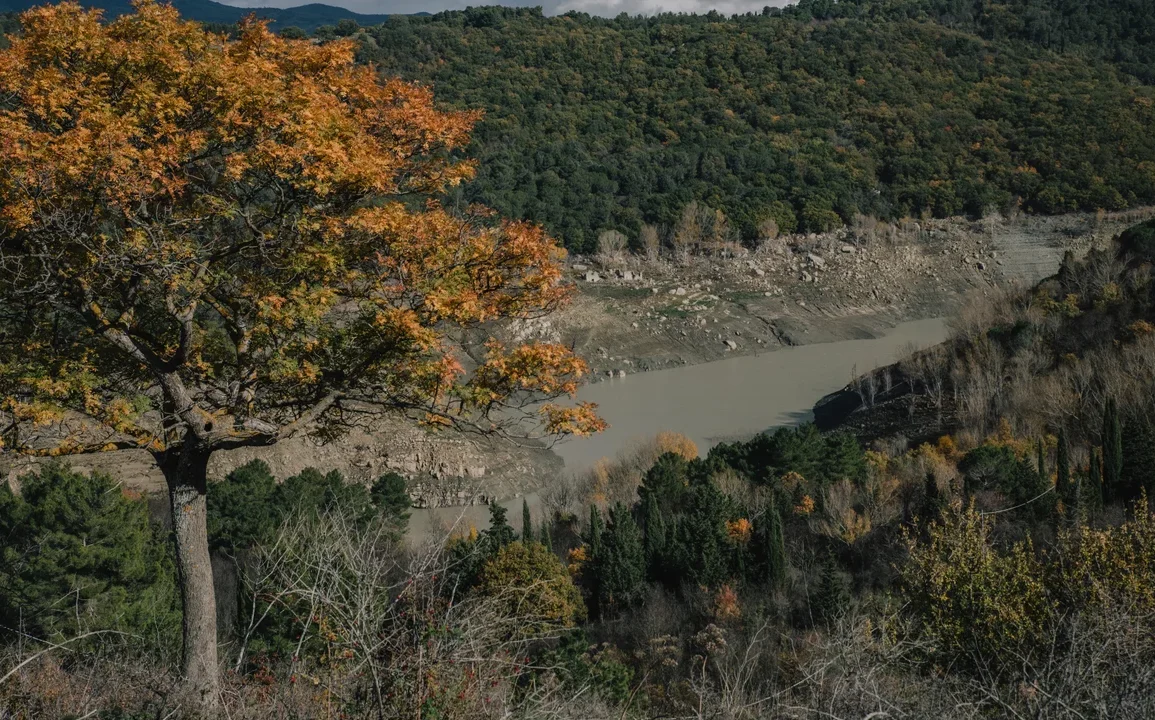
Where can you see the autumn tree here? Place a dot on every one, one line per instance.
(208, 243)
(533, 585)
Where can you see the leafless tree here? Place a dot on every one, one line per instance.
(650, 242)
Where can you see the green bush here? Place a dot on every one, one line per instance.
(78, 555)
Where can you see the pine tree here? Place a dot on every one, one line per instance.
(773, 548)
(391, 497)
(1063, 471)
(1112, 453)
(621, 566)
(499, 533)
(526, 522)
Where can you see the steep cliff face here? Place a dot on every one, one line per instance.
(442, 468)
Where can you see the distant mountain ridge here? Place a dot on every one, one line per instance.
(307, 17)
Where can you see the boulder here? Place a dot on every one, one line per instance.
(592, 276)
(816, 260)
(730, 344)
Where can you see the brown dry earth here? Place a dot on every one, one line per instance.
(633, 315)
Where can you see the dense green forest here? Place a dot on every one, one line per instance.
(805, 116)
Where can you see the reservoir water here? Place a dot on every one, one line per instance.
(712, 402)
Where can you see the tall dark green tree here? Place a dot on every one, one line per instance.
(1094, 486)
(1063, 487)
(243, 509)
(1112, 436)
(831, 597)
(700, 546)
(1138, 452)
(499, 534)
(933, 501)
(665, 483)
(526, 522)
(655, 536)
(390, 495)
(594, 533)
(621, 565)
(772, 548)
(1041, 465)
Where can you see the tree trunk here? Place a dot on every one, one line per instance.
(186, 476)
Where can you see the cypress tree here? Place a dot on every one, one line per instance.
(773, 548)
(546, 536)
(1138, 453)
(594, 535)
(1094, 489)
(1063, 471)
(1112, 453)
(1041, 466)
(621, 566)
(526, 522)
(832, 594)
(655, 537)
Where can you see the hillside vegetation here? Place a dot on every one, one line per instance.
(805, 117)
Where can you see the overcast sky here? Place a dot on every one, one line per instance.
(607, 8)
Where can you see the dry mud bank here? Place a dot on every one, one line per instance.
(632, 315)
(635, 315)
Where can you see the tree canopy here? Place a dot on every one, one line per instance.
(210, 241)
(804, 116)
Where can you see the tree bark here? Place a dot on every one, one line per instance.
(187, 484)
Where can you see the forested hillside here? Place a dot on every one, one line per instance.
(806, 117)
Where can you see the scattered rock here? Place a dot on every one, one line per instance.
(816, 260)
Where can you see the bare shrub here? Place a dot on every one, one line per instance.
(611, 248)
(392, 625)
(688, 232)
(617, 480)
(650, 242)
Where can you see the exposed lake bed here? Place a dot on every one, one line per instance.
(723, 400)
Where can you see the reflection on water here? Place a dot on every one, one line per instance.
(714, 402)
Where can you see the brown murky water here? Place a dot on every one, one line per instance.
(713, 402)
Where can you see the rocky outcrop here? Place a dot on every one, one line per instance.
(443, 468)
